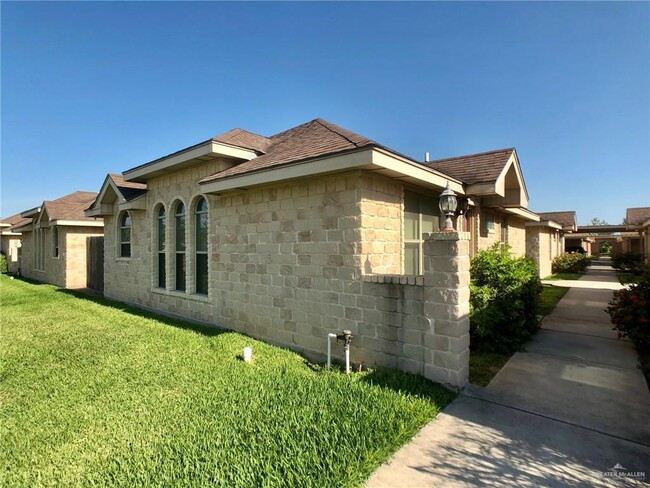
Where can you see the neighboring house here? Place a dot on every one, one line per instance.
(569, 240)
(499, 199)
(54, 240)
(544, 242)
(10, 241)
(282, 237)
(638, 240)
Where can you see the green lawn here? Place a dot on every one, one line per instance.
(624, 278)
(485, 364)
(563, 276)
(94, 393)
(550, 296)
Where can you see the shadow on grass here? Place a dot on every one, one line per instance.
(409, 384)
(187, 324)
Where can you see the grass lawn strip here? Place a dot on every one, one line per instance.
(485, 364)
(96, 393)
(563, 276)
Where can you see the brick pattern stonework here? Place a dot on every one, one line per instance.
(291, 263)
(68, 270)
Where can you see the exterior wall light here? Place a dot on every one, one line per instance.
(448, 204)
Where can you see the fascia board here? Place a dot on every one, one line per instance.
(418, 171)
(356, 160)
(371, 158)
(544, 223)
(31, 212)
(208, 148)
(523, 213)
(77, 223)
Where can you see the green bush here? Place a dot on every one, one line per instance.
(629, 262)
(3, 263)
(571, 262)
(504, 300)
(630, 312)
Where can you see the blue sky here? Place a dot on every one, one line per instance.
(92, 88)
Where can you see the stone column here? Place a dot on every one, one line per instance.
(446, 308)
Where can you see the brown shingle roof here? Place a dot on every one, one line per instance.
(315, 138)
(245, 139)
(14, 221)
(70, 207)
(474, 168)
(637, 216)
(128, 189)
(564, 218)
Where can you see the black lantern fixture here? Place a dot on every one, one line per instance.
(448, 205)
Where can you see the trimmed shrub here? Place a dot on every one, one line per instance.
(505, 299)
(3, 263)
(629, 262)
(571, 262)
(630, 313)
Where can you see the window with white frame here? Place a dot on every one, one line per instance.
(125, 235)
(201, 246)
(160, 246)
(179, 246)
(421, 215)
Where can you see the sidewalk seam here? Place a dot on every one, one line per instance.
(553, 419)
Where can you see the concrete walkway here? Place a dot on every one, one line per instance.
(563, 413)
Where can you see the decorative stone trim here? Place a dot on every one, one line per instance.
(180, 294)
(394, 279)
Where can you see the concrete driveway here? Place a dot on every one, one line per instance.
(573, 410)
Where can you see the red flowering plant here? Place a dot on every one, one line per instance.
(630, 313)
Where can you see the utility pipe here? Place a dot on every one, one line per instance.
(330, 336)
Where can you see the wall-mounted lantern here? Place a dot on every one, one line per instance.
(448, 205)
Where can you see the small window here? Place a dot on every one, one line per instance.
(125, 235)
(160, 245)
(487, 223)
(201, 246)
(55, 241)
(421, 216)
(179, 248)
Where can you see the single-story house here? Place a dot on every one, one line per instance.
(289, 237)
(637, 241)
(494, 183)
(54, 240)
(10, 240)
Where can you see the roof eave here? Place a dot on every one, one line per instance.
(371, 158)
(188, 157)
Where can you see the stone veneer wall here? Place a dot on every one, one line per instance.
(11, 248)
(517, 235)
(68, 270)
(73, 253)
(293, 262)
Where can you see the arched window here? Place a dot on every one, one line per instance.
(160, 246)
(179, 248)
(201, 246)
(125, 235)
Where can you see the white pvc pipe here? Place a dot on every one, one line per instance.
(347, 359)
(329, 349)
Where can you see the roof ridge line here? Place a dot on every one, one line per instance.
(472, 155)
(320, 121)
